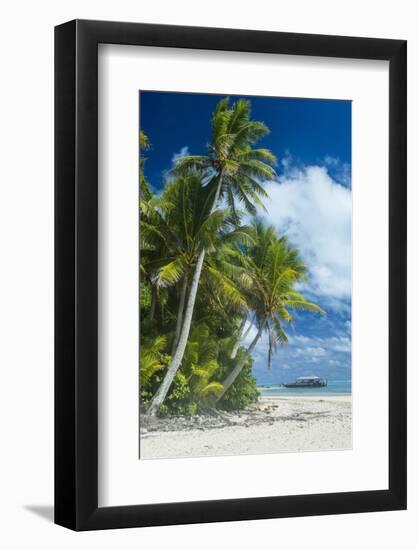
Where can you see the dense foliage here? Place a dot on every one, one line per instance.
(205, 276)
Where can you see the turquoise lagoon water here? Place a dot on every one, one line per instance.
(334, 387)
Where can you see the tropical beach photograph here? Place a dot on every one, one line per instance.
(245, 215)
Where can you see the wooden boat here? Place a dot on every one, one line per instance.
(307, 382)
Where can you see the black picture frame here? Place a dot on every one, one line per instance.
(76, 272)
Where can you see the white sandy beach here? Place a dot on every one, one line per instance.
(273, 425)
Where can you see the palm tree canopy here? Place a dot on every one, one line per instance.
(177, 225)
(144, 145)
(270, 271)
(232, 157)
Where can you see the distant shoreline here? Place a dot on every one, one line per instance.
(333, 388)
(306, 395)
(343, 398)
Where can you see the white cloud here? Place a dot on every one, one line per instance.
(184, 152)
(341, 171)
(319, 355)
(315, 211)
(340, 343)
(317, 346)
(322, 344)
(287, 160)
(316, 352)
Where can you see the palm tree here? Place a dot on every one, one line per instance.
(153, 245)
(148, 247)
(270, 270)
(233, 169)
(239, 335)
(144, 145)
(179, 225)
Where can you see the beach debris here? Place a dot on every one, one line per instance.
(257, 414)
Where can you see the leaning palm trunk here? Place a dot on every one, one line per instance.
(180, 314)
(238, 339)
(247, 330)
(238, 368)
(163, 389)
(270, 349)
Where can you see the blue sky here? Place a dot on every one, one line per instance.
(310, 202)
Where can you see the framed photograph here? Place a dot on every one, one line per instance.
(230, 252)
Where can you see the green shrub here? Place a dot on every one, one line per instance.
(242, 392)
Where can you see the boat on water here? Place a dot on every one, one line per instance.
(307, 382)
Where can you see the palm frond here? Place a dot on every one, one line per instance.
(229, 290)
(279, 332)
(171, 272)
(304, 305)
(212, 388)
(261, 155)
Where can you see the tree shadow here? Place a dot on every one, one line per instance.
(45, 512)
